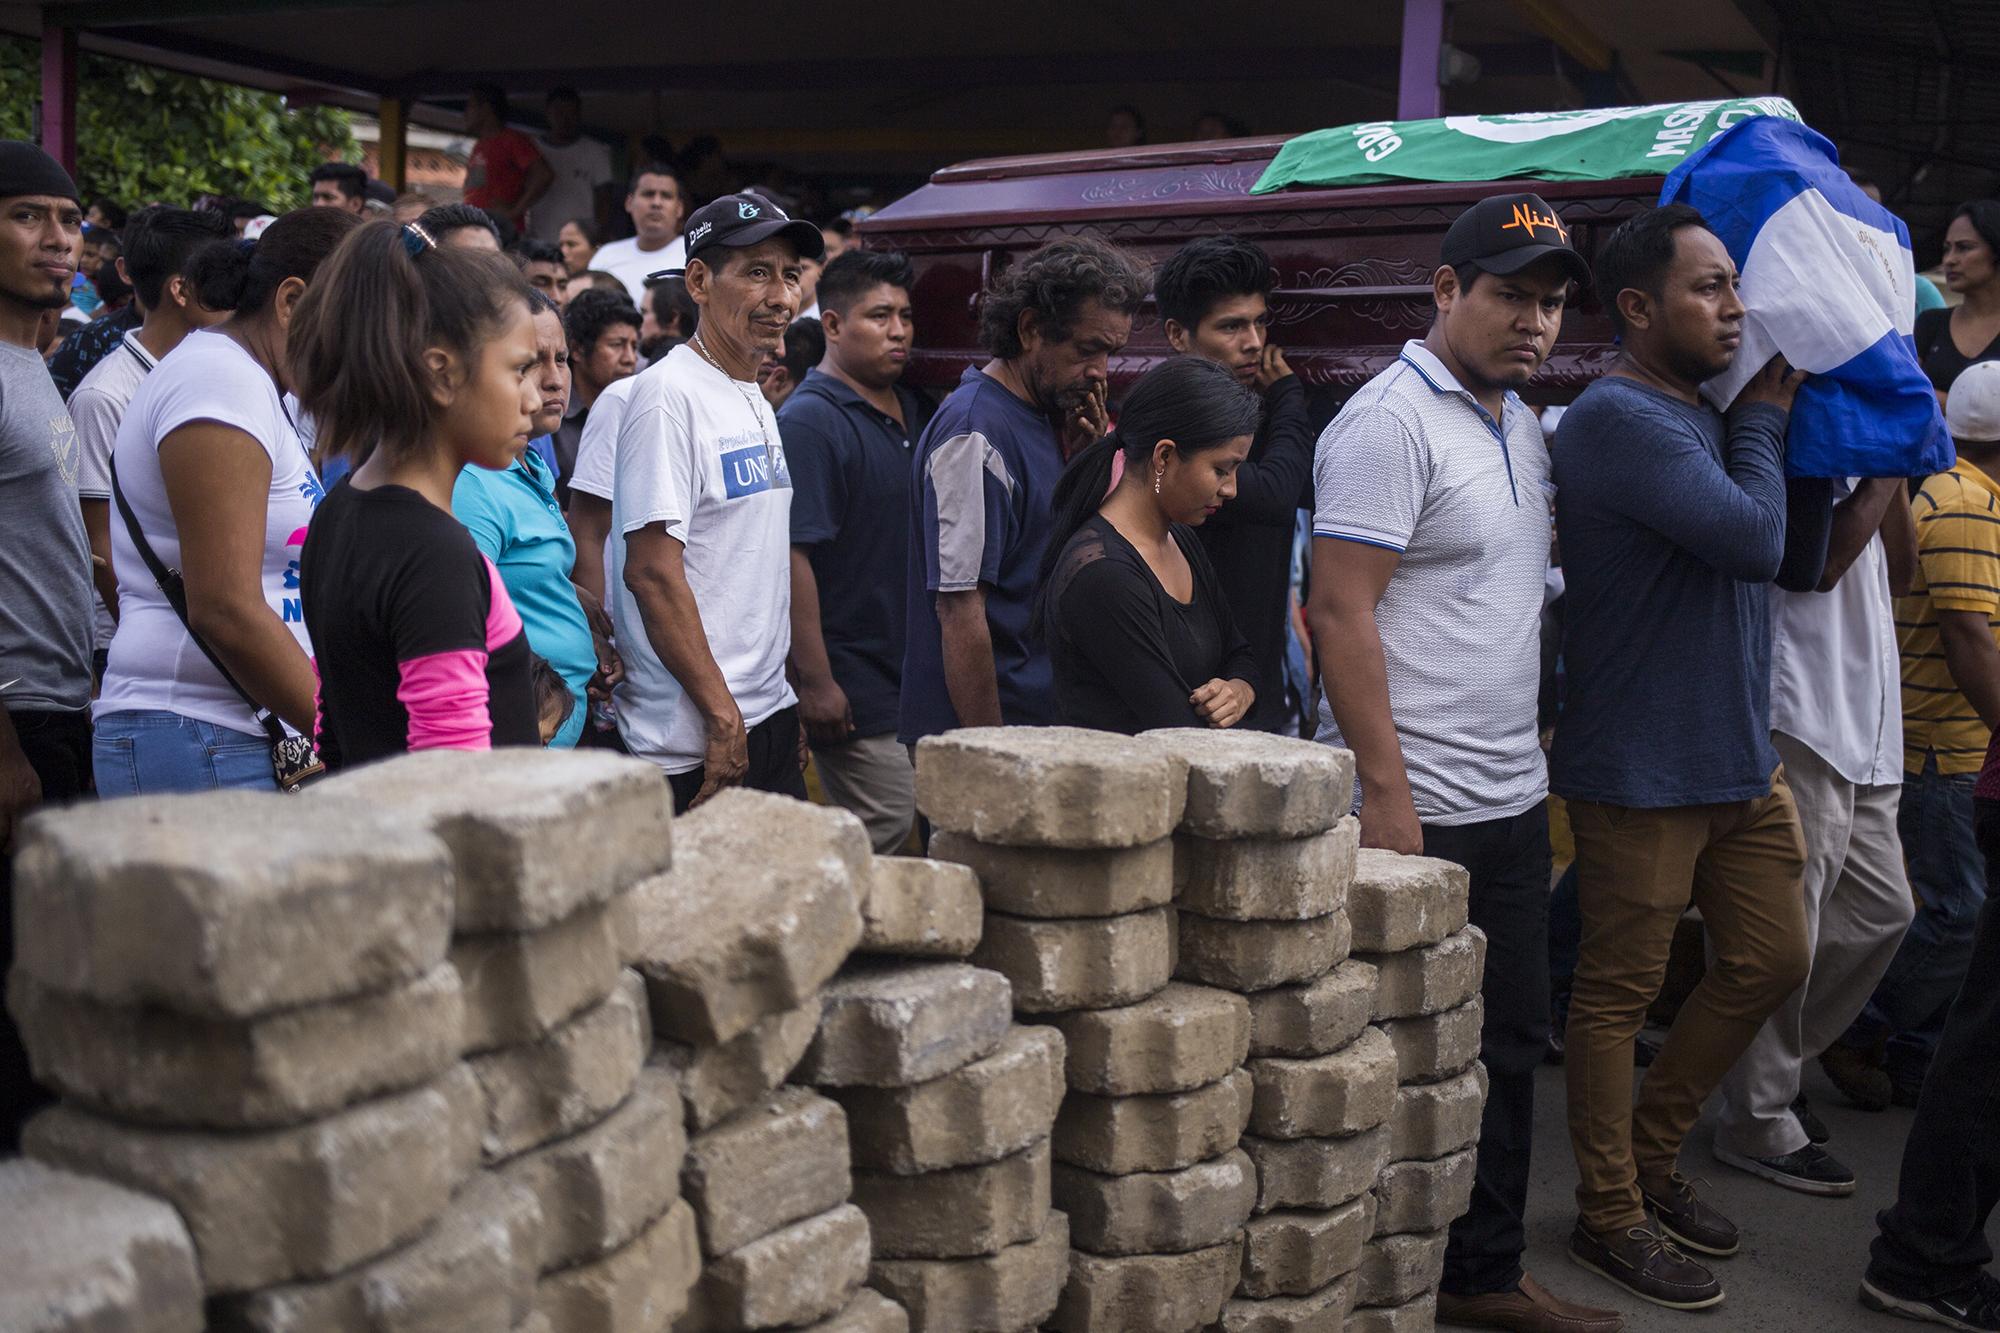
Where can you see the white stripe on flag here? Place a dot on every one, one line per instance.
(1835, 284)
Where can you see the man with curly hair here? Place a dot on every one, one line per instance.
(986, 467)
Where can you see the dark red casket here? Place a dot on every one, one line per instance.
(1354, 265)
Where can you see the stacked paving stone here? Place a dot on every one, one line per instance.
(555, 1031)
(1264, 858)
(1409, 924)
(949, 1105)
(737, 944)
(1070, 833)
(251, 1016)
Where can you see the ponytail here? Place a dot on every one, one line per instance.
(362, 375)
(1193, 402)
(229, 273)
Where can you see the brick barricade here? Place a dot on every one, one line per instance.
(490, 1041)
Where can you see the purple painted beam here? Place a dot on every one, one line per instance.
(59, 94)
(1418, 96)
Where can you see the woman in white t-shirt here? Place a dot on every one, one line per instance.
(210, 462)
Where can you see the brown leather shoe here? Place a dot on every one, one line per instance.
(1531, 1308)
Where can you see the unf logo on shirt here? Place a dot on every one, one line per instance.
(754, 469)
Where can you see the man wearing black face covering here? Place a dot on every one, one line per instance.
(45, 612)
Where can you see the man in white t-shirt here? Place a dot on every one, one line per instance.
(701, 523)
(656, 203)
(582, 182)
(158, 241)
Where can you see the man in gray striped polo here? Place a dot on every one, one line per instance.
(1430, 546)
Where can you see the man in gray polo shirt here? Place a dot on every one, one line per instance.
(1430, 545)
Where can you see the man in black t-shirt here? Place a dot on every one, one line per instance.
(1213, 296)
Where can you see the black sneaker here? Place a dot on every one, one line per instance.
(1975, 1306)
(1688, 1221)
(1643, 1263)
(1810, 1170)
(1815, 1128)
(1859, 1075)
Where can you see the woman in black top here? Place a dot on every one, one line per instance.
(1137, 628)
(1972, 269)
(414, 361)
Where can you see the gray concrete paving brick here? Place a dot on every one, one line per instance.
(767, 1166)
(535, 835)
(194, 904)
(717, 1081)
(799, 1274)
(82, 1254)
(981, 1112)
(1007, 1292)
(546, 1089)
(1147, 1293)
(521, 985)
(1316, 1173)
(641, 1288)
(1267, 879)
(1083, 963)
(1295, 1252)
(1321, 1311)
(1257, 955)
(959, 1213)
(1056, 882)
(889, 1024)
(1325, 1096)
(1432, 1119)
(1050, 786)
(1179, 1038)
(1248, 784)
(1403, 902)
(1156, 1132)
(762, 906)
(1429, 978)
(919, 908)
(273, 1206)
(1436, 1046)
(1316, 1017)
(144, 1063)
(1157, 1212)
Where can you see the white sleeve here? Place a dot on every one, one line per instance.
(96, 422)
(1370, 476)
(656, 479)
(595, 471)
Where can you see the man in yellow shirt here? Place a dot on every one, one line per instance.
(1951, 704)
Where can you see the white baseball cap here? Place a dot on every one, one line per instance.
(1972, 408)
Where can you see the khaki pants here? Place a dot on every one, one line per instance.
(1741, 863)
(873, 777)
(1858, 905)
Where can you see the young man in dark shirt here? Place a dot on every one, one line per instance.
(1673, 523)
(1213, 296)
(849, 430)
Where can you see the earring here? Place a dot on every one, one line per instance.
(1156, 480)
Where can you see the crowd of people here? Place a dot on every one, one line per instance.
(461, 477)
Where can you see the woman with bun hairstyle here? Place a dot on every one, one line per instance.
(1137, 628)
(209, 468)
(419, 645)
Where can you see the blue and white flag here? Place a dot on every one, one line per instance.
(1830, 284)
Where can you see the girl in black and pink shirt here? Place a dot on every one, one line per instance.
(415, 361)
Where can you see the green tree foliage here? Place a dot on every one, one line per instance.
(148, 135)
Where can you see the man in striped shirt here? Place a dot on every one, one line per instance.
(1951, 704)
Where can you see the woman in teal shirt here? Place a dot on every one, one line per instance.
(514, 518)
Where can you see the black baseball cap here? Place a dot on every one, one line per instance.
(737, 220)
(1508, 232)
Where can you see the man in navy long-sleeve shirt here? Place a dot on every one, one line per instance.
(1212, 297)
(1673, 523)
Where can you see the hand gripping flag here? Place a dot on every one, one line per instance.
(1830, 284)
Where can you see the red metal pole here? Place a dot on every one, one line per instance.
(59, 94)
(1417, 94)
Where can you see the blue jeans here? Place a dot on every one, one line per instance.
(147, 752)
(1948, 875)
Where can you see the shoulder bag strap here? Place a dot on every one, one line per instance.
(174, 589)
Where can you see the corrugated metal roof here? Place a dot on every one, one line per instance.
(1908, 89)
